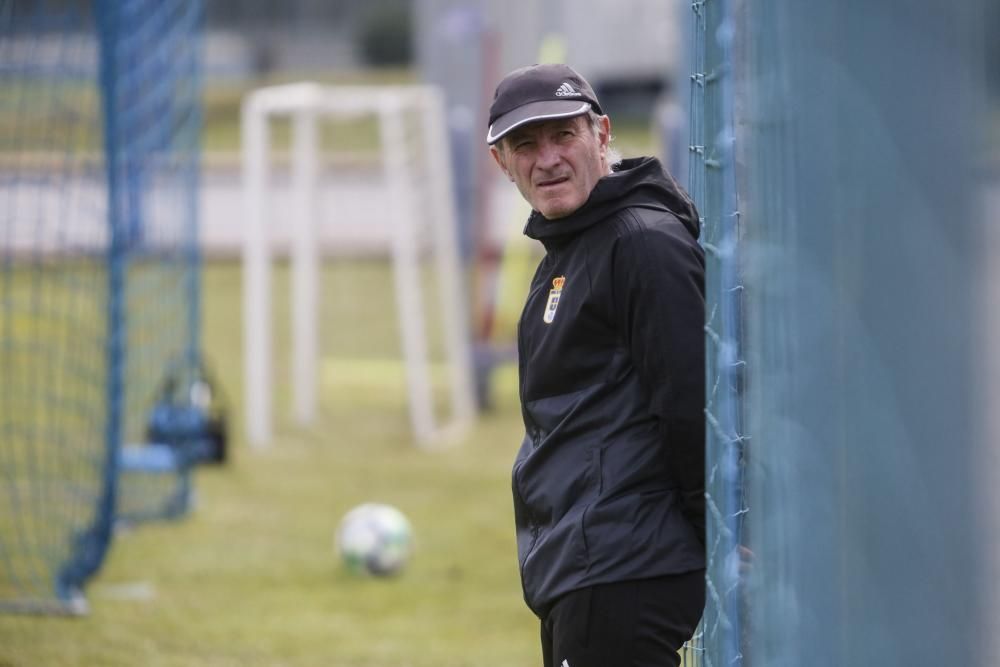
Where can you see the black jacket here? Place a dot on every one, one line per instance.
(609, 480)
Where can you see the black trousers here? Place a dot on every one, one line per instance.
(641, 623)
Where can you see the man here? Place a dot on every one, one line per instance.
(609, 480)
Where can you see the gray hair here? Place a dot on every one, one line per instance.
(614, 156)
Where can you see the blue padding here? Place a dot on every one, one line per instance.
(150, 458)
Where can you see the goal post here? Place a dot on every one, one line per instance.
(306, 104)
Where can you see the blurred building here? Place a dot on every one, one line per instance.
(260, 37)
(244, 38)
(629, 50)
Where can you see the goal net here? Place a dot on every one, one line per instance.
(403, 210)
(100, 122)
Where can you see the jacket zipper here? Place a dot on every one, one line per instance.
(532, 431)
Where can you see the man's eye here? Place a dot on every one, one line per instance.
(523, 143)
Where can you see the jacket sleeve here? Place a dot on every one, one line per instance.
(659, 300)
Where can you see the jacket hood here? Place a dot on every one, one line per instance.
(637, 182)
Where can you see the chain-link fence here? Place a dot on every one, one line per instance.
(712, 184)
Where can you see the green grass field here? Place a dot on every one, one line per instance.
(250, 577)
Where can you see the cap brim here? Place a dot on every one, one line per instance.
(534, 112)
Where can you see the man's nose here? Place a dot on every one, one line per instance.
(548, 153)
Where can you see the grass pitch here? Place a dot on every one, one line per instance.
(250, 577)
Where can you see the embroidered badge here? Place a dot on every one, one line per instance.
(553, 302)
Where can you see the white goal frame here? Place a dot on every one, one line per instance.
(305, 103)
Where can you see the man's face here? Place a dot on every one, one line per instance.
(555, 164)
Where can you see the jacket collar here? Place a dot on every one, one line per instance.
(637, 182)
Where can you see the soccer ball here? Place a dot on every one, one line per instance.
(374, 539)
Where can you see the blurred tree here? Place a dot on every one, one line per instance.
(385, 36)
(24, 14)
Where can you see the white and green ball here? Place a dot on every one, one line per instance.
(374, 538)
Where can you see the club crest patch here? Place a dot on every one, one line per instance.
(553, 302)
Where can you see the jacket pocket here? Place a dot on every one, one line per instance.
(596, 475)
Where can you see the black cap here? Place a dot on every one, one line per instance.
(538, 92)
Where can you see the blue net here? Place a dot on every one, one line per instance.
(864, 262)
(151, 79)
(713, 185)
(98, 268)
(840, 158)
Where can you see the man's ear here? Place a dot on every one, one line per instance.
(604, 135)
(495, 152)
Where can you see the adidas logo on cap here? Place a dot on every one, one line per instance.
(566, 90)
